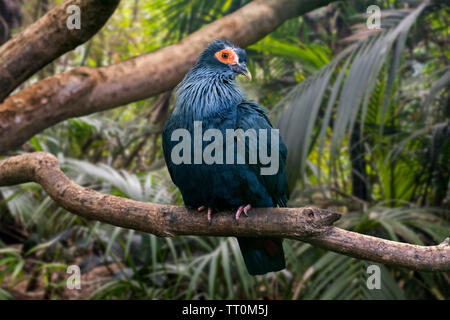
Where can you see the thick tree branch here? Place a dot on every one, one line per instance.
(306, 224)
(82, 91)
(49, 38)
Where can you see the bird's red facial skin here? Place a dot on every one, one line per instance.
(227, 56)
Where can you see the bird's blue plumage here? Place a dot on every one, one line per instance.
(209, 94)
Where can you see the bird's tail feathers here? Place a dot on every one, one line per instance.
(262, 255)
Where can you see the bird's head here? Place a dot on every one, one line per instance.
(224, 58)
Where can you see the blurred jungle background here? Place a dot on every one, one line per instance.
(364, 113)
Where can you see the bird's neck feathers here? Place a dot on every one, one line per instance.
(205, 93)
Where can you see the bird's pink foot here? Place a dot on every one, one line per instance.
(202, 208)
(244, 209)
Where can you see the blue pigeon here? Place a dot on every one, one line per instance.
(209, 95)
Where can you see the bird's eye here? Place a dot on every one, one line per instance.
(227, 56)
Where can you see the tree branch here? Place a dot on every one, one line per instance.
(307, 224)
(47, 39)
(82, 91)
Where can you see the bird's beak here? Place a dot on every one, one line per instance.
(242, 69)
(248, 75)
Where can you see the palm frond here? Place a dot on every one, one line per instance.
(349, 96)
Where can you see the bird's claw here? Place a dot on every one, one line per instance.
(202, 208)
(243, 209)
(240, 210)
(209, 216)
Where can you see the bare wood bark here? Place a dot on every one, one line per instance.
(82, 91)
(307, 224)
(47, 39)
